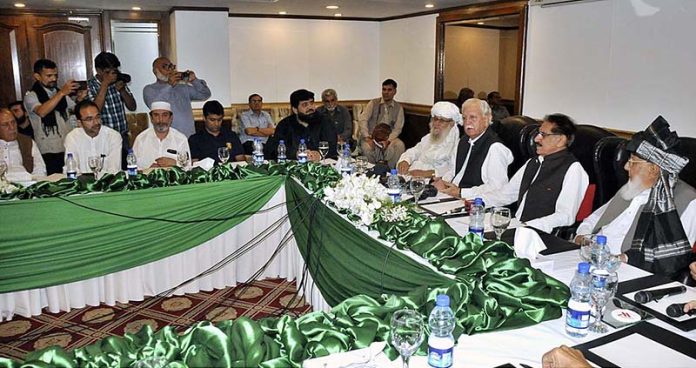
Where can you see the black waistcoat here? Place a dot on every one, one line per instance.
(472, 173)
(543, 193)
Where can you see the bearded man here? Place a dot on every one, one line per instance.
(479, 164)
(652, 219)
(432, 156)
(159, 145)
(304, 123)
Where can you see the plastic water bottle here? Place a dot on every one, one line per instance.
(131, 163)
(70, 167)
(441, 341)
(394, 187)
(578, 312)
(599, 253)
(478, 212)
(302, 152)
(282, 152)
(346, 162)
(258, 152)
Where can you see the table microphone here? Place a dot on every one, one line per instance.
(645, 296)
(172, 151)
(677, 310)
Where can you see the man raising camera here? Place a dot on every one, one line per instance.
(108, 90)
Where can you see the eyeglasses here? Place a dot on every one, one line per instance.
(169, 66)
(544, 134)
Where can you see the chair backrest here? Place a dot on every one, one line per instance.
(526, 141)
(687, 148)
(509, 130)
(586, 137)
(609, 159)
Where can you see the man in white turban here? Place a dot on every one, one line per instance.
(479, 164)
(432, 156)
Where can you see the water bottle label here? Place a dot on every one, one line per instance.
(302, 158)
(132, 170)
(72, 175)
(477, 231)
(439, 358)
(258, 159)
(578, 319)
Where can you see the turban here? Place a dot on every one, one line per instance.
(656, 144)
(446, 110)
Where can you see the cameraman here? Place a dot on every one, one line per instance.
(109, 92)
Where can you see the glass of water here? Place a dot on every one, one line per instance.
(182, 157)
(500, 220)
(601, 290)
(586, 242)
(417, 186)
(223, 155)
(323, 149)
(96, 164)
(406, 333)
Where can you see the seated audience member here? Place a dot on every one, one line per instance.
(464, 94)
(19, 152)
(207, 142)
(564, 357)
(498, 111)
(49, 109)
(304, 123)
(111, 95)
(380, 136)
(652, 218)
(158, 146)
(256, 124)
(432, 156)
(93, 139)
(479, 163)
(338, 114)
(178, 89)
(384, 110)
(550, 187)
(23, 124)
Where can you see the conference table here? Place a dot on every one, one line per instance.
(164, 276)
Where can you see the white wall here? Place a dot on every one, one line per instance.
(200, 40)
(273, 57)
(614, 63)
(136, 46)
(471, 60)
(408, 56)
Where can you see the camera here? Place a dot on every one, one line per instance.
(185, 76)
(123, 77)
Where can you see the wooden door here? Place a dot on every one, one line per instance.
(12, 50)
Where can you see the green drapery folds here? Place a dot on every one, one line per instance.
(363, 278)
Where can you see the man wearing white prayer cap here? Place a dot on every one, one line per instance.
(480, 161)
(158, 145)
(432, 156)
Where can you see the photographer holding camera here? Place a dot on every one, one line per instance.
(108, 90)
(178, 89)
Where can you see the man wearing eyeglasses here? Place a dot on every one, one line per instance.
(19, 152)
(178, 89)
(92, 138)
(432, 155)
(479, 163)
(550, 187)
(652, 218)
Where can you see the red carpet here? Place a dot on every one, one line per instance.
(81, 327)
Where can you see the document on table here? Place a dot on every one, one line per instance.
(661, 305)
(636, 350)
(442, 208)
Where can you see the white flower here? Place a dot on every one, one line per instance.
(395, 213)
(360, 195)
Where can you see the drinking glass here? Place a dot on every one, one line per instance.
(361, 164)
(600, 293)
(599, 255)
(3, 169)
(612, 263)
(500, 220)
(182, 157)
(96, 164)
(406, 333)
(323, 149)
(586, 247)
(340, 147)
(223, 155)
(417, 186)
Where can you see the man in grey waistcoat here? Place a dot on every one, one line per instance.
(384, 110)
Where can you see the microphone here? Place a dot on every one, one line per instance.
(645, 296)
(677, 310)
(172, 151)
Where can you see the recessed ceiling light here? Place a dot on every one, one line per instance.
(332, 7)
(479, 23)
(19, 5)
(282, 12)
(429, 5)
(135, 8)
(338, 15)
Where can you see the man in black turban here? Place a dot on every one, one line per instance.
(652, 218)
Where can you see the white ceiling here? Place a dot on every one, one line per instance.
(348, 8)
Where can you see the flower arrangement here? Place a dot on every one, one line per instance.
(360, 195)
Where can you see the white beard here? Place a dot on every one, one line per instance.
(161, 76)
(631, 189)
(437, 138)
